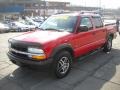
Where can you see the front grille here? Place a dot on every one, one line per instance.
(19, 47)
(20, 55)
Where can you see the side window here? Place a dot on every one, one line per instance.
(86, 22)
(97, 22)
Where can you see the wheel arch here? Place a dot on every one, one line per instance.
(110, 35)
(63, 47)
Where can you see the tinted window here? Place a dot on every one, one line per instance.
(97, 22)
(86, 22)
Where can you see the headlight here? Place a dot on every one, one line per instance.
(36, 53)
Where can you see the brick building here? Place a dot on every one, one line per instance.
(37, 7)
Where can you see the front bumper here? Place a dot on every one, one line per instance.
(18, 60)
(24, 29)
(4, 30)
(19, 29)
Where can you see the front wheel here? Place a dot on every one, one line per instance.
(19, 30)
(108, 45)
(62, 64)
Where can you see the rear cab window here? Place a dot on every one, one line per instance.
(97, 21)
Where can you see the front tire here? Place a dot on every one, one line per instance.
(19, 30)
(108, 45)
(62, 64)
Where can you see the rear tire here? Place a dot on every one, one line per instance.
(108, 45)
(62, 64)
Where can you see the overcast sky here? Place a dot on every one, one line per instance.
(93, 3)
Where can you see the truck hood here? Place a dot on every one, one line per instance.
(41, 36)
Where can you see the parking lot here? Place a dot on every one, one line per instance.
(98, 71)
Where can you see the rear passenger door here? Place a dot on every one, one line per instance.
(99, 31)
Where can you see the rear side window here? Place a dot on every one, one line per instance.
(97, 22)
(85, 21)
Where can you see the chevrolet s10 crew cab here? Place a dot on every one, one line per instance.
(61, 39)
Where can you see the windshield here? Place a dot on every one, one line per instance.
(60, 23)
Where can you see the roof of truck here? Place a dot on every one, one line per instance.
(80, 14)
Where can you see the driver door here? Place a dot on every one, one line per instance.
(83, 40)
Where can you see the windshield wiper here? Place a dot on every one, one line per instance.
(53, 29)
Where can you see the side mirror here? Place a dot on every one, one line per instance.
(82, 28)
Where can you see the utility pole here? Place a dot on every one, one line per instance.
(100, 3)
(100, 7)
(44, 9)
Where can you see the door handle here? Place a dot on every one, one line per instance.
(93, 33)
(103, 30)
(66, 41)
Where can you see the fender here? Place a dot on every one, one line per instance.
(59, 48)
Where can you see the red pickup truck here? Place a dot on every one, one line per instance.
(61, 39)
